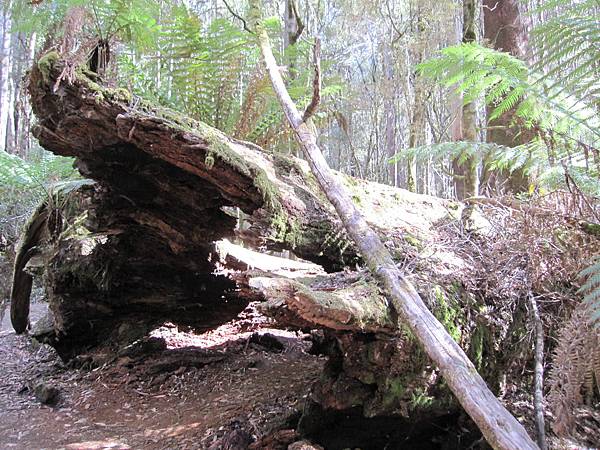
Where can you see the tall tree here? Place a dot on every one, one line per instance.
(5, 69)
(390, 112)
(417, 127)
(505, 28)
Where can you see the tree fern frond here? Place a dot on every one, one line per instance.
(574, 369)
(568, 45)
(34, 175)
(443, 150)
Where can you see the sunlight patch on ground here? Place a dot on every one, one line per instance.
(98, 445)
(242, 327)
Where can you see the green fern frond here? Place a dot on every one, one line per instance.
(568, 47)
(444, 150)
(34, 175)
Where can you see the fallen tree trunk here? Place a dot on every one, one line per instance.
(158, 166)
(139, 248)
(498, 426)
(141, 245)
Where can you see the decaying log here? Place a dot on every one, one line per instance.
(357, 307)
(143, 247)
(161, 167)
(166, 189)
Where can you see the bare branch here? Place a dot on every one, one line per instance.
(299, 24)
(237, 16)
(316, 97)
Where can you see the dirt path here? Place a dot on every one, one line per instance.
(186, 396)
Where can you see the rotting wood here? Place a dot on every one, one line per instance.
(164, 184)
(165, 191)
(44, 223)
(294, 303)
(22, 281)
(184, 163)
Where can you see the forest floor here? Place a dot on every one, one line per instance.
(231, 383)
(243, 382)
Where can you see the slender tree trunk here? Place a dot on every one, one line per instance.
(466, 182)
(538, 388)
(389, 111)
(23, 141)
(498, 426)
(417, 135)
(417, 131)
(5, 70)
(456, 133)
(20, 55)
(290, 28)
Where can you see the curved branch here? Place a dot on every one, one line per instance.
(237, 16)
(316, 97)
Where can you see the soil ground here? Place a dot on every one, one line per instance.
(186, 396)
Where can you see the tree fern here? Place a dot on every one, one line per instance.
(33, 175)
(131, 21)
(506, 82)
(574, 377)
(567, 128)
(568, 47)
(202, 68)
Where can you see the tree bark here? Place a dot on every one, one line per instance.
(390, 112)
(166, 188)
(505, 29)
(498, 426)
(417, 132)
(466, 183)
(4, 70)
(538, 386)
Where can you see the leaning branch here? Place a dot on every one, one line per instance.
(498, 426)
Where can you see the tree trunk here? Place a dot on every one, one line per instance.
(417, 135)
(389, 112)
(538, 386)
(290, 29)
(466, 182)
(505, 29)
(4, 70)
(499, 427)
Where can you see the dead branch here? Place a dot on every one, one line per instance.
(237, 16)
(316, 97)
(538, 391)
